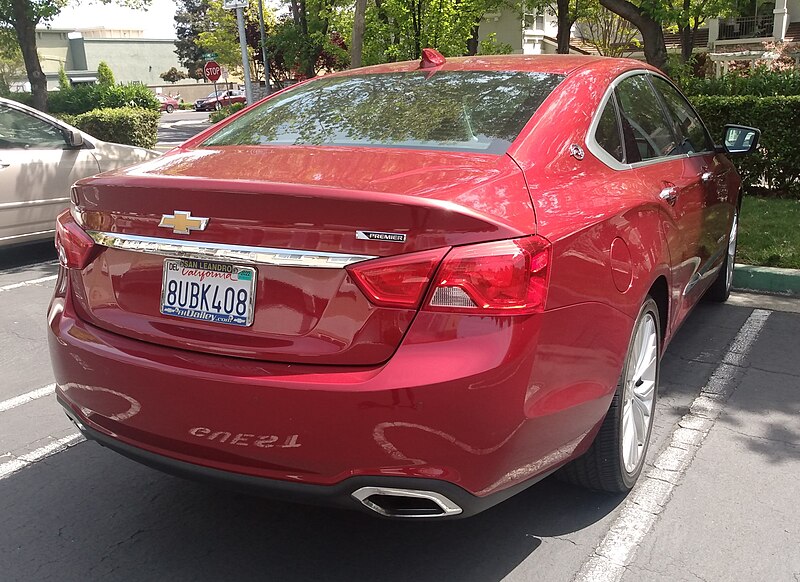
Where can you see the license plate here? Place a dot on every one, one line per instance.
(208, 291)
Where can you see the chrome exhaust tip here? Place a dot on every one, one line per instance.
(405, 503)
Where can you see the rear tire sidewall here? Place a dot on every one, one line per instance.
(170, 109)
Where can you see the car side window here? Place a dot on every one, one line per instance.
(646, 132)
(19, 130)
(607, 134)
(688, 124)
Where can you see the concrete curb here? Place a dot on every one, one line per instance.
(767, 280)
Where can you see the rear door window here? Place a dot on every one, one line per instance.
(644, 126)
(608, 134)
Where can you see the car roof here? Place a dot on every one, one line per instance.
(554, 64)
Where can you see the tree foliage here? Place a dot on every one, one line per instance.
(609, 34)
(190, 21)
(23, 16)
(173, 75)
(104, 74)
(11, 63)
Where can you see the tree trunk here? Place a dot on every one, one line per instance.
(687, 42)
(564, 26)
(358, 34)
(655, 51)
(473, 43)
(26, 34)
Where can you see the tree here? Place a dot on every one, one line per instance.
(190, 21)
(11, 63)
(609, 34)
(567, 12)
(689, 15)
(649, 17)
(23, 16)
(104, 74)
(357, 42)
(173, 75)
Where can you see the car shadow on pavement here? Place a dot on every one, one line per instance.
(100, 516)
(35, 258)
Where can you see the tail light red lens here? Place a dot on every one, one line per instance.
(74, 246)
(504, 277)
(397, 281)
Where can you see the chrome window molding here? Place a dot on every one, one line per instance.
(597, 150)
(225, 253)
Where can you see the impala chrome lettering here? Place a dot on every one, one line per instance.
(182, 222)
(246, 439)
(380, 236)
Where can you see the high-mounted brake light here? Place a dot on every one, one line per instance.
(507, 277)
(74, 246)
(398, 281)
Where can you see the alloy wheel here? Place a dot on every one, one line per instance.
(731, 251)
(639, 392)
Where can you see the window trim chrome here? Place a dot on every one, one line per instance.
(597, 150)
(225, 253)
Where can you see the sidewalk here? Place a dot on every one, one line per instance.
(736, 513)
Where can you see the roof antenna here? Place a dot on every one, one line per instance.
(431, 58)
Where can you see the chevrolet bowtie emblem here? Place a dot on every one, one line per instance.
(183, 222)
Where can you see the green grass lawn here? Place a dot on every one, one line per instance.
(769, 233)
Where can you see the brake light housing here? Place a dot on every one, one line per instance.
(75, 247)
(508, 277)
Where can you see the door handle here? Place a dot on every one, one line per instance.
(669, 194)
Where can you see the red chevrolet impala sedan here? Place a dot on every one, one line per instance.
(414, 289)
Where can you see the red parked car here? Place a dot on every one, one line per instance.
(168, 104)
(414, 289)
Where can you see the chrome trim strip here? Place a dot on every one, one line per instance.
(225, 253)
(28, 203)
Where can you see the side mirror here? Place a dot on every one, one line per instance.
(74, 138)
(740, 139)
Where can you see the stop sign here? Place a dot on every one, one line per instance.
(212, 71)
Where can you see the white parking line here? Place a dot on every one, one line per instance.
(28, 283)
(27, 397)
(10, 467)
(641, 509)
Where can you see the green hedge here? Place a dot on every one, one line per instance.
(773, 170)
(760, 82)
(226, 111)
(129, 125)
(84, 98)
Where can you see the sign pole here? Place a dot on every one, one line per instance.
(264, 54)
(248, 88)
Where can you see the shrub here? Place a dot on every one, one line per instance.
(761, 81)
(83, 98)
(775, 168)
(129, 125)
(104, 74)
(226, 111)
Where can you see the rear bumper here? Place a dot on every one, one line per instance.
(475, 409)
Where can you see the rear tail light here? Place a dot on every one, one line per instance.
(397, 281)
(74, 246)
(504, 277)
(507, 277)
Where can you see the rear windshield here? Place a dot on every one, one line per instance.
(450, 110)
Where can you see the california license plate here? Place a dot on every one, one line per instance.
(208, 291)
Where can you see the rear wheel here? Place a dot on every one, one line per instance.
(720, 289)
(170, 108)
(615, 459)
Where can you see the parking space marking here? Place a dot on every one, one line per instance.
(27, 397)
(10, 467)
(29, 283)
(641, 509)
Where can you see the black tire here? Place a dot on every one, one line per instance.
(170, 109)
(720, 289)
(602, 467)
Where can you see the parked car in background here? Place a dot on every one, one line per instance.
(413, 289)
(40, 158)
(220, 99)
(168, 104)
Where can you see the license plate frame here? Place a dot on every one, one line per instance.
(216, 275)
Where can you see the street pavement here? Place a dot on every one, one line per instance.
(718, 499)
(178, 126)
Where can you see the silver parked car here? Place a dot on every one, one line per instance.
(40, 158)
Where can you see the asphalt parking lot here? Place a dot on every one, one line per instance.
(718, 501)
